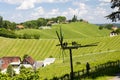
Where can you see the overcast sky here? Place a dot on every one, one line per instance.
(18, 11)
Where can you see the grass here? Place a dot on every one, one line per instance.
(42, 48)
(71, 31)
(107, 49)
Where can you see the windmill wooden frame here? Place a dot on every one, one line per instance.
(65, 46)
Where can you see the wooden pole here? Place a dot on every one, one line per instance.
(71, 64)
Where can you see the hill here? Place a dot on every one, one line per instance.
(40, 49)
(71, 30)
(107, 49)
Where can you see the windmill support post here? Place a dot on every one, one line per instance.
(71, 64)
(65, 46)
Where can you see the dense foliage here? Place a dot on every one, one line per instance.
(35, 24)
(25, 74)
(7, 33)
(115, 16)
(106, 26)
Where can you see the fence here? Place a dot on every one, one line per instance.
(109, 68)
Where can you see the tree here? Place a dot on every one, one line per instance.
(10, 71)
(28, 74)
(118, 31)
(81, 20)
(74, 19)
(41, 22)
(1, 20)
(101, 27)
(61, 19)
(7, 24)
(115, 16)
(25, 56)
(109, 26)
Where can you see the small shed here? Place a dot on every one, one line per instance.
(39, 64)
(48, 61)
(113, 33)
(28, 62)
(19, 26)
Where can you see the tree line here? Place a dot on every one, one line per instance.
(32, 23)
(7, 28)
(35, 24)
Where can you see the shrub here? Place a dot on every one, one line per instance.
(50, 56)
(101, 27)
(36, 36)
(26, 36)
(6, 33)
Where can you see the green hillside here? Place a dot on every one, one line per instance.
(71, 30)
(107, 49)
(40, 49)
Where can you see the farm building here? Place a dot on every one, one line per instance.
(48, 61)
(28, 62)
(113, 33)
(45, 27)
(114, 28)
(39, 64)
(6, 61)
(19, 27)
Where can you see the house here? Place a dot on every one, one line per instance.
(50, 23)
(28, 62)
(45, 27)
(113, 33)
(19, 27)
(114, 28)
(6, 61)
(48, 61)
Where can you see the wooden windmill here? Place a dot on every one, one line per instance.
(65, 46)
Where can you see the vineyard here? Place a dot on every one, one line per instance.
(107, 49)
(71, 31)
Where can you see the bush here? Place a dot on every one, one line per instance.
(6, 33)
(101, 27)
(36, 36)
(26, 36)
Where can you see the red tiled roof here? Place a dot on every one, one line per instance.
(28, 60)
(7, 60)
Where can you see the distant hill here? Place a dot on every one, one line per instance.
(71, 30)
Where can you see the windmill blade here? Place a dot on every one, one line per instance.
(94, 43)
(65, 53)
(61, 54)
(90, 45)
(87, 45)
(59, 38)
(61, 35)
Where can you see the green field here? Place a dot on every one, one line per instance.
(107, 49)
(70, 31)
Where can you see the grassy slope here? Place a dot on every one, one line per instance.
(72, 30)
(40, 49)
(107, 48)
